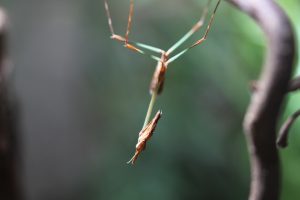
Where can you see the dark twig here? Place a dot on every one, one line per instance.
(284, 131)
(294, 84)
(263, 111)
(9, 185)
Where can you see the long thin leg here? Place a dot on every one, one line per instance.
(130, 44)
(202, 39)
(208, 27)
(109, 18)
(193, 30)
(129, 21)
(127, 45)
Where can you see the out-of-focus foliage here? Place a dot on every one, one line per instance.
(83, 98)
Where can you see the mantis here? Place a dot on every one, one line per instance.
(163, 58)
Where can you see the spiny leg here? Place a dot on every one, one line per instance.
(202, 39)
(130, 44)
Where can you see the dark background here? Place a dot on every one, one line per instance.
(83, 97)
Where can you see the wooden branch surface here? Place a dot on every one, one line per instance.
(294, 84)
(262, 114)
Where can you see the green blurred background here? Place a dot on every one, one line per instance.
(83, 98)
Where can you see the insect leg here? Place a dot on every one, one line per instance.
(129, 21)
(193, 30)
(208, 27)
(202, 39)
(130, 44)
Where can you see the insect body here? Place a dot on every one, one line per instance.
(157, 82)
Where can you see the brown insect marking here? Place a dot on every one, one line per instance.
(118, 37)
(197, 26)
(198, 42)
(158, 77)
(144, 136)
(133, 48)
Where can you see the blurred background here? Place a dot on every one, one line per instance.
(83, 97)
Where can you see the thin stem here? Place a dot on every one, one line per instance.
(150, 108)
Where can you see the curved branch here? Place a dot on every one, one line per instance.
(262, 114)
(284, 131)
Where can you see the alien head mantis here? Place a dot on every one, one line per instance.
(163, 60)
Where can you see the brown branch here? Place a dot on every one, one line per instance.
(262, 114)
(9, 185)
(284, 131)
(294, 84)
